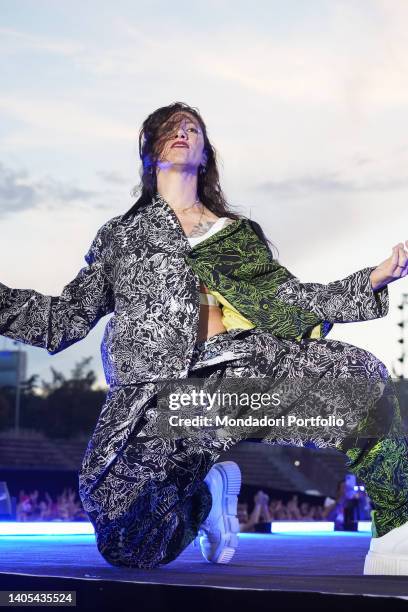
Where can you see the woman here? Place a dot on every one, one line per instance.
(212, 306)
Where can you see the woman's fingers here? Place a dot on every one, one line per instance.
(399, 257)
(402, 260)
(400, 263)
(395, 256)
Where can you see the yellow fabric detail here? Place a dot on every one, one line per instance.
(316, 332)
(231, 318)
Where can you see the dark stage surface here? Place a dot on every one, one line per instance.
(286, 563)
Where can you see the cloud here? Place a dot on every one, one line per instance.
(15, 41)
(44, 119)
(15, 196)
(329, 182)
(19, 192)
(110, 176)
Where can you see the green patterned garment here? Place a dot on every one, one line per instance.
(237, 263)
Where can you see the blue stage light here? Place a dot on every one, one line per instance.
(46, 528)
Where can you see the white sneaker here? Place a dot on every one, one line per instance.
(218, 533)
(388, 555)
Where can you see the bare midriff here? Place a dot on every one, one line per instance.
(210, 315)
(210, 321)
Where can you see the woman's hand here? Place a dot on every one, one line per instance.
(392, 268)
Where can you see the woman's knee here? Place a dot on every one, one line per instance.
(122, 551)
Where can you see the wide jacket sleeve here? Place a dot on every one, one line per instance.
(342, 301)
(56, 322)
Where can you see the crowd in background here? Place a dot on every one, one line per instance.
(35, 507)
(338, 509)
(67, 507)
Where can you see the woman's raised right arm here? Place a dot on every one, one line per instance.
(56, 322)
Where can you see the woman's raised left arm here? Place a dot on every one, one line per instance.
(361, 296)
(342, 301)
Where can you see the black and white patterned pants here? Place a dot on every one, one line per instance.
(146, 495)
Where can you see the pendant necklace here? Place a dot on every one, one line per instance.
(195, 204)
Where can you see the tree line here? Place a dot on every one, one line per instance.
(62, 408)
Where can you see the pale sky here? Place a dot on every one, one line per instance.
(304, 101)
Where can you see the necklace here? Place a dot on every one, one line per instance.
(201, 216)
(192, 205)
(197, 202)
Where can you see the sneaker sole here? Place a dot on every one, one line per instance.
(385, 565)
(231, 478)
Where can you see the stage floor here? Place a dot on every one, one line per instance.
(326, 563)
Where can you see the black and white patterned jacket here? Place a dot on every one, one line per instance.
(137, 269)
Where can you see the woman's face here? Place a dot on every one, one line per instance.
(181, 126)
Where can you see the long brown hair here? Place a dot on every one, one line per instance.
(151, 138)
